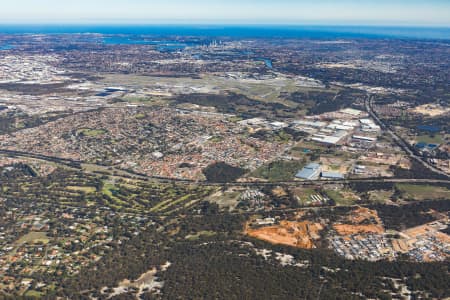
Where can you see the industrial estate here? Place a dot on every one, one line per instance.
(135, 166)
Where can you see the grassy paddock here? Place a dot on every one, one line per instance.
(423, 192)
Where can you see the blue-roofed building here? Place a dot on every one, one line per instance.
(309, 172)
(332, 175)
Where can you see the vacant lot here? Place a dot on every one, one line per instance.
(34, 238)
(342, 197)
(422, 192)
(430, 139)
(279, 170)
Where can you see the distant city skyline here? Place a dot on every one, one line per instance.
(323, 12)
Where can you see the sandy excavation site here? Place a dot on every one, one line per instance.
(359, 234)
(292, 233)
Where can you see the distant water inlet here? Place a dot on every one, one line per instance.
(6, 47)
(267, 61)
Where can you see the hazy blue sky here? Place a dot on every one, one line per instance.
(385, 12)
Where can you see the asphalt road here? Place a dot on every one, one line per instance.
(126, 174)
(400, 141)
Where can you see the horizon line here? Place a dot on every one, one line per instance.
(243, 24)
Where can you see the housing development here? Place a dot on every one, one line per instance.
(194, 166)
